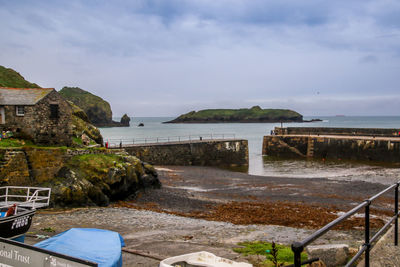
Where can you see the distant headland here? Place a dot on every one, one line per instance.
(244, 115)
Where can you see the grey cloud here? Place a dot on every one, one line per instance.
(368, 59)
(182, 55)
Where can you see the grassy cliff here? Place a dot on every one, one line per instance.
(97, 109)
(254, 114)
(11, 78)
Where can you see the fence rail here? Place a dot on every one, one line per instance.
(155, 140)
(24, 196)
(298, 247)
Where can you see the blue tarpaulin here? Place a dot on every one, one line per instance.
(96, 245)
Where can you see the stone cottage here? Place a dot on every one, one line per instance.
(39, 114)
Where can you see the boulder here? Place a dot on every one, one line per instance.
(331, 254)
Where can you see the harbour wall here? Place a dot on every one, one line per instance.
(361, 148)
(337, 131)
(230, 153)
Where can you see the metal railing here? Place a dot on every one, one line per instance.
(24, 196)
(168, 139)
(298, 247)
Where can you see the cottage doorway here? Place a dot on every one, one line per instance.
(2, 118)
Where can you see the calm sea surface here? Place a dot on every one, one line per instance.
(254, 133)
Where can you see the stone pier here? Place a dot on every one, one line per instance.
(377, 145)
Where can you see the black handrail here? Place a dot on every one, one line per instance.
(298, 247)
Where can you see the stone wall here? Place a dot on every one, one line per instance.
(37, 123)
(14, 167)
(337, 131)
(362, 149)
(198, 153)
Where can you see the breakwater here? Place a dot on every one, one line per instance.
(370, 146)
(227, 152)
(337, 131)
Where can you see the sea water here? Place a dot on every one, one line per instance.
(254, 132)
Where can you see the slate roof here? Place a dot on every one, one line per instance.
(22, 96)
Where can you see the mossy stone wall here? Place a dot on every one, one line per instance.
(14, 167)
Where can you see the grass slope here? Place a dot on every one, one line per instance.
(11, 78)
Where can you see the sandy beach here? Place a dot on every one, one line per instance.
(210, 209)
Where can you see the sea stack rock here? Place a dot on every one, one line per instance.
(125, 120)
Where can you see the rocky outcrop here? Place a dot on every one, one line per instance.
(82, 129)
(81, 182)
(125, 120)
(78, 177)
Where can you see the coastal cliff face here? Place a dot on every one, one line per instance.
(97, 109)
(244, 115)
(78, 177)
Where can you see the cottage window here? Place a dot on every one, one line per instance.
(20, 110)
(54, 112)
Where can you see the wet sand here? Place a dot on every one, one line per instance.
(212, 209)
(222, 195)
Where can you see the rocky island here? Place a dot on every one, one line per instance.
(243, 115)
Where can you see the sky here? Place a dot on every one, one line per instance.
(168, 57)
